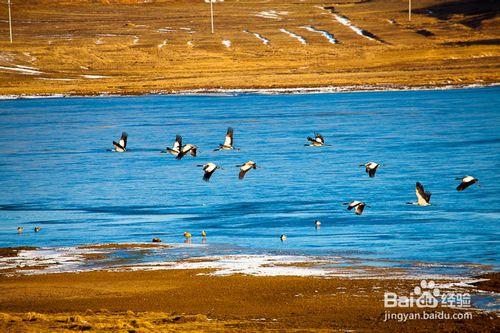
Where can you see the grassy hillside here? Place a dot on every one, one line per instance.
(87, 47)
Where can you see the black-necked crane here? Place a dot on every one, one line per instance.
(244, 168)
(317, 141)
(283, 237)
(187, 148)
(370, 168)
(423, 197)
(317, 223)
(358, 206)
(121, 145)
(466, 182)
(209, 169)
(176, 147)
(228, 141)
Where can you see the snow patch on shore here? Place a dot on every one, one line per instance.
(272, 91)
(22, 69)
(166, 30)
(55, 79)
(90, 76)
(132, 257)
(346, 22)
(272, 14)
(293, 35)
(325, 33)
(264, 40)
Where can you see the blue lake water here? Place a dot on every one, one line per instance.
(55, 173)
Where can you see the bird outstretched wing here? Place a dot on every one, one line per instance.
(228, 142)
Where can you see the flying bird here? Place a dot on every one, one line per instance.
(187, 148)
(244, 168)
(317, 141)
(209, 169)
(176, 147)
(466, 182)
(121, 146)
(228, 142)
(370, 168)
(358, 206)
(423, 197)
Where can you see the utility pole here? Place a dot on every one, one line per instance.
(10, 22)
(212, 14)
(409, 10)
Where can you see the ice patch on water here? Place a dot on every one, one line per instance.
(293, 35)
(325, 33)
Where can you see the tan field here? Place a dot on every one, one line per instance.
(134, 47)
(184, 300)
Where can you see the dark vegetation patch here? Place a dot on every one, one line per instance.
(470, 13)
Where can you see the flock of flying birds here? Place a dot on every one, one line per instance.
(179, 151)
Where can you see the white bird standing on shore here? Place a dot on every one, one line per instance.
(423, 197)
(358, 206)
(209, 169)
(466, 182)
(121, 146)
(370, 168)
(317, 141)
(228, 142)
(244, 168)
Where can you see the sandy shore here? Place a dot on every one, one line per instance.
(143, 301)
(85, 47)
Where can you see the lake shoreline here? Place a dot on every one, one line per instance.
(187, 299)
(143, 256)
(258, 91)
